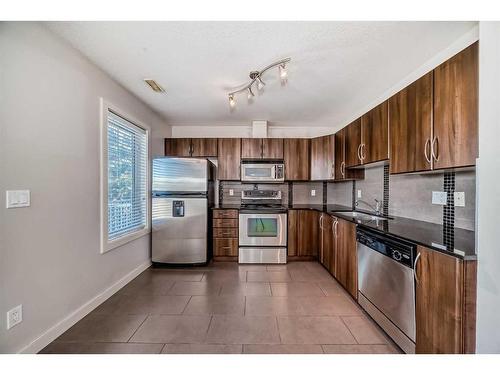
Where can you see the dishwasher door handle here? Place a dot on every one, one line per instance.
(415, 268)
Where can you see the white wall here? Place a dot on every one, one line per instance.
(49, 143)
(488, 182)
(223, 131)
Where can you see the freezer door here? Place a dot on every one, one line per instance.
(179, 230)
(180, 175)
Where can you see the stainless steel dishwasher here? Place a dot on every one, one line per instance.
(386, 284)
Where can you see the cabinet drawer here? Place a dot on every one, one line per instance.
(225, 223)
(225, 232)
(225, 214)
(225, 247)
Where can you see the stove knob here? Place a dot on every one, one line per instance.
(396, 255)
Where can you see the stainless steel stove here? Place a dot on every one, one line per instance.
(262, 227)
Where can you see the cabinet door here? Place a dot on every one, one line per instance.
(322, 158)
(439, 291)
(308, 233)
(272, 148)
(352, 143)
(296, 157)
(346, 270)
(410, 124)
(456, 84)
(177, 146)
(205, 147)
(339, 155)
(292, 235)
(326, 248)
(375, 134)
(229, 151)
(251, 148)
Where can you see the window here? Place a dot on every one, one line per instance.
(124, 194)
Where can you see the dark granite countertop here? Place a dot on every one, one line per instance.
(456, 242)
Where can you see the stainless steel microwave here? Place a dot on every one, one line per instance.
(262, 171)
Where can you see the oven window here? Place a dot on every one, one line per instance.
(258, 172)
(262, 227)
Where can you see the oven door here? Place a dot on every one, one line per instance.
(262, 229)
(259, 172)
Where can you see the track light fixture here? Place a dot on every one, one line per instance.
(256, 78)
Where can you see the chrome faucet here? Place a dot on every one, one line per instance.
(377, 208)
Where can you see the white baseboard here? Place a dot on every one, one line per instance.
(55, 331)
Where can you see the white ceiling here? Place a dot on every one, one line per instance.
(337, 68)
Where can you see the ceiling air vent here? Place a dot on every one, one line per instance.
(154, 85)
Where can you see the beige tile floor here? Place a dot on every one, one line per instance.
(228, 308)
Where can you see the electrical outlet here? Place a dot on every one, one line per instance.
(459, 198)
(17, 198)
(14, 316)
(313, 192)
(359, 193)
(231, 192)
(439, 197)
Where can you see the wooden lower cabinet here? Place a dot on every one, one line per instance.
(327, 247)
(346, 259)
(445, 290)
(225, 235)
(303, 234)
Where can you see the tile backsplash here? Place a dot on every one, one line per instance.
(410, 195)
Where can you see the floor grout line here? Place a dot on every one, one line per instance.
(342, 320)
(185, 307)
(140, 325)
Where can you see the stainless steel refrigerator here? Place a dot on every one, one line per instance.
(182, 198)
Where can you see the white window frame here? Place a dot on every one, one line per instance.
(106, 243)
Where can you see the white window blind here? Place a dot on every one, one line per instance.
(127, 177)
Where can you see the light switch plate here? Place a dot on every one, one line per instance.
(17, 198)
(439, 197)
(313, 192)
(359, 193)
(459, 198)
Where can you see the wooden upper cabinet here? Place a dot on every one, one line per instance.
(375, 135)
(251, 148)
(341, 173)
(272, 148)
(262, 148)
(353, 143)
(323, 158)
(185, 147)
(456, 85)
(410, 124)
(229, 157)
(296, 158)
(177, 146)
(204, 147)
(439, 303)
(346, 267)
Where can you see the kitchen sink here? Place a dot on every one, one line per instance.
(361, 216)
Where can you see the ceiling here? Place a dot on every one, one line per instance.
(337, 68)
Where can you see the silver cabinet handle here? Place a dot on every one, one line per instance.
(426, 154)
(342, 169)
(359, 155)
(415, 268)
(363, 151)
(434, 154)
(335, 233)
(321, 222)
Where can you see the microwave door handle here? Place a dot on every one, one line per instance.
(275, 172)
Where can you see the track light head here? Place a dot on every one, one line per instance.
(260, 83)
(283, 72)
